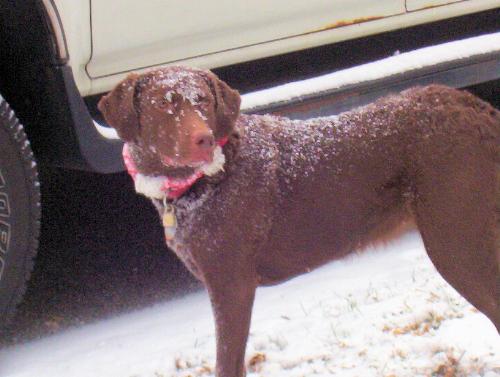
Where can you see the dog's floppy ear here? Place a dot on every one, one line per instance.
(227, 104)
(119, 110)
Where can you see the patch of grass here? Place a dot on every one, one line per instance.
(419, 327)
(449, 368)
(255, 363)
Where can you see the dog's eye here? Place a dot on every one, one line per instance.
(166, 106)
(200, 100)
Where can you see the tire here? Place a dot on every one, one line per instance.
(19, 212)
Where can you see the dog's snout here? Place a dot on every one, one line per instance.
(204, 141)
(203, 145)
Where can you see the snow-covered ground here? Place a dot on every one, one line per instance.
(386, 313)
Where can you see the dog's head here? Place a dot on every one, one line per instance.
(178, 113)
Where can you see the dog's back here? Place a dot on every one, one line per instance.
(429, 154)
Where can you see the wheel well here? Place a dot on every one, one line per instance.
(25, 51)
(39, 86)
(28, 73)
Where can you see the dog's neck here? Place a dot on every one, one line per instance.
(169, 182)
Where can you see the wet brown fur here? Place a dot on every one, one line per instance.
(295, 195)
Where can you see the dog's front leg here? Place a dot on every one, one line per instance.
(232, 297)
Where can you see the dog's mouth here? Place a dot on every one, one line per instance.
(181, 163)
(208, 166)
(214, 166)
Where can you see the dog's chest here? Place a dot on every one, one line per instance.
(206, 215)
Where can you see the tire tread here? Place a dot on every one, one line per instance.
(16, 132)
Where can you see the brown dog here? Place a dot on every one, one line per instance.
(282, 197)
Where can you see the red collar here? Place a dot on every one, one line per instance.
(173, 187)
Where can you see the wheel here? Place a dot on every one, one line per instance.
(19, 212)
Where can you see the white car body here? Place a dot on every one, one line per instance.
(107, 39)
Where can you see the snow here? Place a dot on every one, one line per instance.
(384, 313)
(185, 83)
(106, 132)
(394, 65)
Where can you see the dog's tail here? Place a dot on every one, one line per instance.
(496, 151)
(490, 131)
(495, 130)
(489, 127)
(496, 117)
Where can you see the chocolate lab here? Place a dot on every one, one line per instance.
(250, 200)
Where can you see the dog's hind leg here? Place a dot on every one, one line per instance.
(455, 210)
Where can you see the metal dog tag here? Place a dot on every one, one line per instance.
(169, 222)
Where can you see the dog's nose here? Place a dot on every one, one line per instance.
(204, 141)
(203, 146)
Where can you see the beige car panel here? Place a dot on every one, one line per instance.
(157, 31)
(106, 39)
